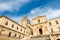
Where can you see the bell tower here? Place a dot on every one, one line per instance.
(25, 22)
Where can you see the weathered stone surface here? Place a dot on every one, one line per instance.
(7, 38)
(43, 37)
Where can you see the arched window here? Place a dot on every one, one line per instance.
(58, 39)
(40, 30)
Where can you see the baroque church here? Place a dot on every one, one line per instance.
(39, 29)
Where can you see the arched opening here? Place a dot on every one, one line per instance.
(40, 30)
(58, 39)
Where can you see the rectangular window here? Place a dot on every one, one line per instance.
(38, 21)
(23, 36)
(57, 22)
(17, 27)
(12, 25)
(9, 34)
(51, 30)
(6, 23)
(15, 35)
(31, 33)
(19, 36)
(50, 23)
(24, 31)
(21, 29)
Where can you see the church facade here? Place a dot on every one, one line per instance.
(39, 26)
(42, 26)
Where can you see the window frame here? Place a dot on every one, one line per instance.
(12, 25)
(9, 34)
(6, 23)
(38, 20)
(57, 22)
(50, 23)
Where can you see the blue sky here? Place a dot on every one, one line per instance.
(17, 9)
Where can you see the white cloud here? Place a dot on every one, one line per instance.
(4, 7)
(49, 12)
(12, 4)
